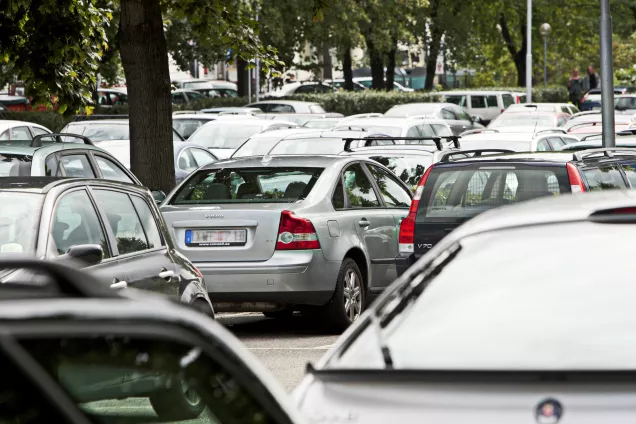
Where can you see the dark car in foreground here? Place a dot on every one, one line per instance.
(503, 321)
(114, 229)
(75, 352)
(452, 192)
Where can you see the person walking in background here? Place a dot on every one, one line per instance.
(591, 80)
(575, 87)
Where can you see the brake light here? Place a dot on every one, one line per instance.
(406, 238)
(576, 181)
(296, 233)
(196, 270)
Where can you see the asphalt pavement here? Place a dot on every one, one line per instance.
(285, 346)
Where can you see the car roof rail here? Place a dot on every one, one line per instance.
(447, 156)
(57, 138)
(478, 131)
(587, 112)
(436, 140)
(607, 152)
(78, 118)
(585, 124)
(551, 130)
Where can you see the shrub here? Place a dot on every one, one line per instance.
(51, 120)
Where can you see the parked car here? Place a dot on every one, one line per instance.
(187, 124)
(232, 110)
(212, 88)
(479, 331)
(186, 97)
(304, 87)
(368, 82)
(528, 121)
(299, 118)
(416, 126)
(291, 232)
(86, 353)
(456, 117)
(109, 97)
(20, 130)
(568, 108)
(340, 83)
(106, 129)
(287, 106)
(322, 123)
(187, 156)
(224, 136)
(60, 155)
(454, 191)
(486, 105)
(592, 99)
(15, 103)
(591, 122)
(539, 141)
(113, 229)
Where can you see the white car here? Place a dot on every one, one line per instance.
(416, 126)
(367, 81)
(539, 141)
(20, 130)
(487, 105)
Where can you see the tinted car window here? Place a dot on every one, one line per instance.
(447, 114)
(507, 100)
(442, 130)
(123, 220)
(337, 200)
(38, 131)
(359, 189)
(75, 222)
(458, 100)
(394, 195)
(491, 101)
(248, 185)
(604, 178)
(148, 222)
(77, 166)
(478, 102)
(111, 171)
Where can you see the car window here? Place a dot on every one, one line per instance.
(478, 102)
(75, 222)
(111, 171)
(337, 200)
(359, 189)
(148, 222)
(20, 133)
(413, 132)
(5, 135)
(50, 166)
(574, 109)
(461, 114)
(409, 169)
(604, 178)
(147, 378)
(561, 120)
(630, 173)
(187, 127)
(426, 130)
(507, 100)
(556, 143)
(193, 95)
(123, 221)
(38, 131)
(448, 115)
(491, 101)
(201, 156)
(278, 108)
(393, 193)
(186, 162)
(458, 100)
(565, 109)
(77, 166)
(311, 88)
(543, 146)
(442, 130)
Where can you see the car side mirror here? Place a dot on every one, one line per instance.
(159, 196)
(89, 254)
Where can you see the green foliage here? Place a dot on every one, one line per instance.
(54, 46)
(352, 103)
(51, 120)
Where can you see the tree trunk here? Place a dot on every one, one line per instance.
(518, 56)
(327, 66)
(347, 69)
(431, 59)
(377, 67)
(241, 77)
(144, 56)
(390, 67)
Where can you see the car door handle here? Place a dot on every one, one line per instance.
(118, 285)
(166, 274)
(364, 223)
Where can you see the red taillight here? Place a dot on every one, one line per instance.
(197, 271)
(406, 237)
(576, 182)
(295, 233)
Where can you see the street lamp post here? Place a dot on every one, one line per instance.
(529, 55)
(545, 30)
(607, 76)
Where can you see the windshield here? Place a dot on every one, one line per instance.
(100, 132)
(19, 223)
(248, 185)
(228, 135)
(309, 146)
(514, 120)
(187, 127)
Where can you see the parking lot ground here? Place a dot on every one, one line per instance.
(285, 346)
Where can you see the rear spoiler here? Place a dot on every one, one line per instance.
(437, 140)
(57, 138)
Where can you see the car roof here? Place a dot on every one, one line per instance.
(8, 123)
(534, 157)
(432, 104)
(45, 184)
(121, 121)
(202, 116)
(306, 161)
(286, 102)
(393, 121)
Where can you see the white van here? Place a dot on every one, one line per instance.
(486, 105)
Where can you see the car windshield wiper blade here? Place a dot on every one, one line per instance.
(414, 288)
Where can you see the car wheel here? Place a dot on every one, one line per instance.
(347, 302)
(203, 307)
(179, 402)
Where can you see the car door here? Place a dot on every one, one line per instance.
(397, 201)
(374, 226)
(75, 221)
(141, 248)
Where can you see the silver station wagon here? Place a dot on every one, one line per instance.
(315, 234)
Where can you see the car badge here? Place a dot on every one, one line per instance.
(216, 215)
(549, 411)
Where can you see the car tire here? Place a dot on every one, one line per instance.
(177, 403)
(348, 299)
(203, 307)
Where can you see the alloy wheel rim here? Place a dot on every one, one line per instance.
(352, 295)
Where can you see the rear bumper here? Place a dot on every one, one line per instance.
(403, 262)
(288, 277)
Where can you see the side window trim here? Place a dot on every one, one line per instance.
(374, 184)
(160, 228)
(94, 154)
(344, 192)
(89, 157)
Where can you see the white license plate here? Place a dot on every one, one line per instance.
(205, 238)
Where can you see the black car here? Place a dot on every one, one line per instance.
(453, 191)
(73, 351)
(113, 228)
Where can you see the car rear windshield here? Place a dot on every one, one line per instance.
(228, 135)
(461, 192)
(309, 146)
(100, 132)
(248, 185)
(407, 168)
(515, 120)
(10, 165)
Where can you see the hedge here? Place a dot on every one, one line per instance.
(549, 94)
(51, 120)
